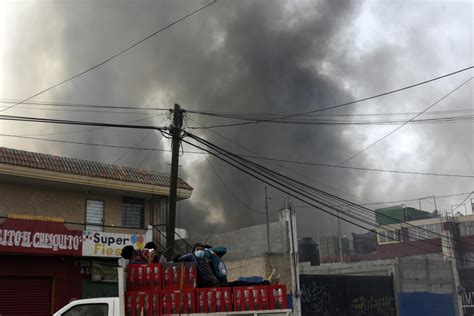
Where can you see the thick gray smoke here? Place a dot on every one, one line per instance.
(253, 57)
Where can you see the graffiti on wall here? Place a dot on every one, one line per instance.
(325, 295)
(315, 297)
(466, 277)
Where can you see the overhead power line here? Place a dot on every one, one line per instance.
(68, 122)
(401, 126)
(112, 57)
(406, 200)
(317, 198)
(324, 201)
(246, 205)
(128, 151)
(249, 156)
(363, 169)
(96, 144)
(82, 105)
(246, 116)
(94, 129)
(263, 116)
(437, 120)
(278, 165)
(467, 197)
(150, 151)
(350, 102)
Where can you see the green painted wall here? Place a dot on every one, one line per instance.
(396, 214)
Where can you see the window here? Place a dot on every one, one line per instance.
(133, 212)
(88, 309)
(429, 231)
(388, 236)
(94, 215)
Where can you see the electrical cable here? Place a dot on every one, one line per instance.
(399, 127)
(128, 151)
(80, 105)
(438, 120)
(452, 211)
(288, 189)
(248, 207)
(363, 99)
(112, 57)
(259, 158)
(252, 117)
(69, 122)
(227, 154)
(400, 201)
(362, 168)
(150, 151)
(263, 116)
(278, 165)
(92, 129)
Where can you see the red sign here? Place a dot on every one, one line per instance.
(41, 237)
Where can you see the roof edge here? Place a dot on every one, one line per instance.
(41, 174)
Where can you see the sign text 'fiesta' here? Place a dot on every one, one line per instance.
(100, 244)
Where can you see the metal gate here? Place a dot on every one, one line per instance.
(335, 295)
(25, 296)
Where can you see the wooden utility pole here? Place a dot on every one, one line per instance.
(175, 130)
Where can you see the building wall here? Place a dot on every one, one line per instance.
(261, 266)
(366, 268)
(424, 274)
(69, 204)
(409, 248)
(411, 274)
(429, 275)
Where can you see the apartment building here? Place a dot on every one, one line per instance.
(63, 222)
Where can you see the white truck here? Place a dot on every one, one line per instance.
(115, 306)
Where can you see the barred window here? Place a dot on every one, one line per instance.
(94, 215)
(133, 212)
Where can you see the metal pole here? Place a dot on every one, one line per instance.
(268, 221)
(175, 130)
(294, 261)
(339, 236)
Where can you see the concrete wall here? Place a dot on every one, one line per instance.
(411, 274)
(367, 268)
(249, 242)
(261, 266)
(415, 274)
(428, 274)
(70, 204)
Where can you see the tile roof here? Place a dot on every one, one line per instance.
(85, 168)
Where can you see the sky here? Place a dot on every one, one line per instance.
(251, 57)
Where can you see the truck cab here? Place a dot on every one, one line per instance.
(104, 306)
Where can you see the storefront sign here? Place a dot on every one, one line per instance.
(39, 237)
(100, 244)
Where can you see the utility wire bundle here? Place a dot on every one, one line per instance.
(358, 215)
